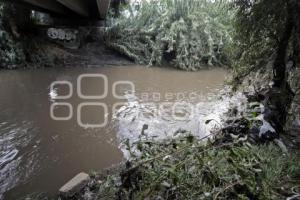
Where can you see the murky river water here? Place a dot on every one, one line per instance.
(39, 153)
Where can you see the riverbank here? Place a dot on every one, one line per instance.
(184, 168)
(42, 53)
(245, 159)
(144, 181)
(253, 149)
(237, 125)
(236, 161)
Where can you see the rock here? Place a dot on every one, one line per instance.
(74, 185)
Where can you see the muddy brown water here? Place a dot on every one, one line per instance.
(39, 153)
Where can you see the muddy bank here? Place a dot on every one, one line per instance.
(35, 46)
(93, 54)
(43, 53)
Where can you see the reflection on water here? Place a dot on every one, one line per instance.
(39, 154)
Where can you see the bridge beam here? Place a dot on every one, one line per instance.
(48, 5)
(103, 6)
(78, 6)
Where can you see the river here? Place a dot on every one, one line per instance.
(57, 122)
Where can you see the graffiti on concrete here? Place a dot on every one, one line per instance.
(64, 36)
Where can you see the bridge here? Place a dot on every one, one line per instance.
(95, 9)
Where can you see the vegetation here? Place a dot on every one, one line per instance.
(265, 32)
(11, 51)
(265, 29)
(19, 47)
(185, 169)
(191, 34)
(268, 33)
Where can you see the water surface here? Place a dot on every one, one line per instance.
(39, 154)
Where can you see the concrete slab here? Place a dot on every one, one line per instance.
(74, 185)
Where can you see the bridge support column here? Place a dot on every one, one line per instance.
(103, 6)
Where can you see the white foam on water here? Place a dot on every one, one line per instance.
(206, 119)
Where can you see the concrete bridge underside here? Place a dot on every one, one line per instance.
(95, 9)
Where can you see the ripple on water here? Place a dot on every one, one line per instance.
(14, 139)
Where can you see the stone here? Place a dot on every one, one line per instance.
(74, 185)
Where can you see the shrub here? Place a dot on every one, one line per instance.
(191, 34)
(11, 51)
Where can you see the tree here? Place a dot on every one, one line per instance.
(267, 27)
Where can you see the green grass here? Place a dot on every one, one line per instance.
(185, 169)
